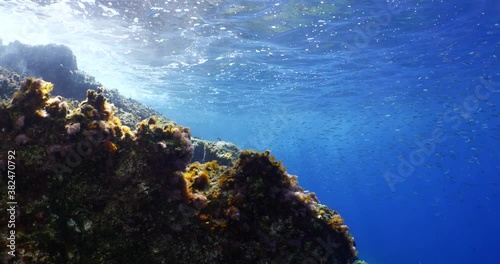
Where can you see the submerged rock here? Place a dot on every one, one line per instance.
(131, 112)
(57, 64)
(225, 153)
(54, 63)
(91, 190)
(9, 82)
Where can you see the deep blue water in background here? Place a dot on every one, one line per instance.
(387, 110)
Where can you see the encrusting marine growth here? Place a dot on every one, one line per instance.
(91, 190)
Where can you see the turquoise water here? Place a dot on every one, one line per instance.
(387, 110)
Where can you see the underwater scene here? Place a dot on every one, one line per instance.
(250, 131)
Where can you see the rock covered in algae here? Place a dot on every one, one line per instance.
(225, 153)
(57, 64)
(131, 112)
(9, 82)
(91, 190)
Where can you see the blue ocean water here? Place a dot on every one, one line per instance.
(388, 110)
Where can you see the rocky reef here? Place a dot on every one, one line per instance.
(89, 189)
(95, 182)
(131, 112)
(57, 64)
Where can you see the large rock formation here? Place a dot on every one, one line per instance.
(91, 190)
